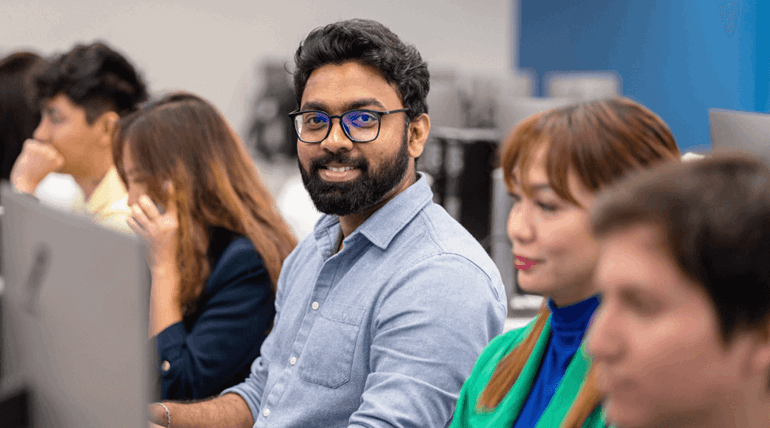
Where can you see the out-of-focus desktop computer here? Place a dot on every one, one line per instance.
(744, 131)
(75, 314)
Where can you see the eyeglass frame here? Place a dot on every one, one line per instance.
(293, 115)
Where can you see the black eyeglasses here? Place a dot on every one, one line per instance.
(361, 126)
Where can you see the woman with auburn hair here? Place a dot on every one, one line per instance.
(215, 239)
(554, 163)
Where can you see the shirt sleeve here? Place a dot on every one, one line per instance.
(465, 412)
(431, 325)
(236, 313)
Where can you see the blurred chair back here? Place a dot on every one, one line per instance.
(582, 85)
(512, 110)
(740, 130)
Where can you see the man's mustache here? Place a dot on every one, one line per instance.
(358, 163)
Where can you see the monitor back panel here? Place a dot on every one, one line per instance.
(75, 316)
(744, 131)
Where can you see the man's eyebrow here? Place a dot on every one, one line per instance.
(366, 102)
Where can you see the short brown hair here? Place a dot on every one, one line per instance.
(714, 214)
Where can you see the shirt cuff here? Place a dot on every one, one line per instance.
(242, 390)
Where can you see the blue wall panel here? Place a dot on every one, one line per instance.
(678, 57)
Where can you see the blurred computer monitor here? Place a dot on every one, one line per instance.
(582, 85)
(75, 316)
(740, 130)
(510, 111)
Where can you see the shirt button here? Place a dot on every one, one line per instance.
(293, 361)
(266, 413)
(165, 366)
(314, 305)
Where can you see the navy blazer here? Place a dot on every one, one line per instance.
(212, 348)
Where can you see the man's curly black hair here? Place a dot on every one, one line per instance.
(370, 43)
(94, 77)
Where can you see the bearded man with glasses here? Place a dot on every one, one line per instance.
(383, 310)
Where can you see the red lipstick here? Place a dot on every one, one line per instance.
(523, 263)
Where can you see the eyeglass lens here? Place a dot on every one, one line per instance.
(359, 125)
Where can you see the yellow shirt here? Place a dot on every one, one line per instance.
(108, 204)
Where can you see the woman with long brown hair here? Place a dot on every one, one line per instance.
(216, 242)
(554, 163)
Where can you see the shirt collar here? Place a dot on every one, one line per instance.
(109, 191)
(382, 226)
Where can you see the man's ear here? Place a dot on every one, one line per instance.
(759, 362)
(106, 125)
(419, 129)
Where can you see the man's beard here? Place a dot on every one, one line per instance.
(364, 192)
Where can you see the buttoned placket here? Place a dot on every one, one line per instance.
(324, 282)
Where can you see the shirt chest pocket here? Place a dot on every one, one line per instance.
(328, 355)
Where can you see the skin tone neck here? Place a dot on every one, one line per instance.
(102, 163)
(564, 301)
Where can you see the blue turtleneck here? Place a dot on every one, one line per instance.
(568, 326)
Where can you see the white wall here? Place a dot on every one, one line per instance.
(212, 47)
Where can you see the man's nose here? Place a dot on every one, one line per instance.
(337, 139)
(42, 133)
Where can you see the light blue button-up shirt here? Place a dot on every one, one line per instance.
(383, 333)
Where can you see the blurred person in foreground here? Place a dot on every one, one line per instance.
(554, 164)
(383, 309)
(82, 94)
(216, 242)
(682, 336)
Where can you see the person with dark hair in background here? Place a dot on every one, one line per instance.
(382, 311)
(18, 117)
(554, 164)
(216, 242)
(682, 336)
(82, 94)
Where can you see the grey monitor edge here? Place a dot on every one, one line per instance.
(74, 317)
(743, 131)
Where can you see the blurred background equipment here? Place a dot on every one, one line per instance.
(272, 143)
(740, 130)
(75, 322)
(271, 134)
(582, 85)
